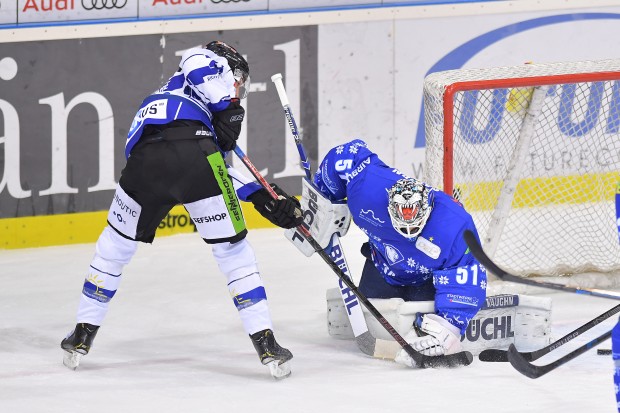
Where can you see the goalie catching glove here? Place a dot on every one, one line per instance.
(284, 212)
(432, 335)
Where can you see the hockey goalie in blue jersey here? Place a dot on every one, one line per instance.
(415, 249)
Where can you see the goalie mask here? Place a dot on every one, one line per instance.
(408, 207)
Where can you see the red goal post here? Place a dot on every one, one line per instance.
(534, 153)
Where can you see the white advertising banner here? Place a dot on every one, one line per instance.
(33, 11)
(151, 8)
(299, 4)
(371, 73)
(8, 12)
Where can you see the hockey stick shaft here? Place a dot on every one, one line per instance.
(363, 338)
(488, 263)
(421, 360)
(277, 80)
(496, 355)
(533, 372)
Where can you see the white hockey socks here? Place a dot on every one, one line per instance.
(238, 263)
(112, 253)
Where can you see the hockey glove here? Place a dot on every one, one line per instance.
(284, 212)
(433, 336)
(227, 125)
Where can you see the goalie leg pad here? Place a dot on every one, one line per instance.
(524, 321)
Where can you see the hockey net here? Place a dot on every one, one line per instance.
(533, 152)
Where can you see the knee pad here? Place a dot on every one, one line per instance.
(235, 260)
(113, 251)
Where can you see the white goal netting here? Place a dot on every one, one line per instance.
(534, 153)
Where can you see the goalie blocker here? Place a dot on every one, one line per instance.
(522, 320)
(322, 217)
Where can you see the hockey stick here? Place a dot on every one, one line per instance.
(533, 372)
(487, 262)
(364, 340)
(277, 81)
(496, 355)
(459, 359)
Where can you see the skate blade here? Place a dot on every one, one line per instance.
(71, 359)
(279, 371)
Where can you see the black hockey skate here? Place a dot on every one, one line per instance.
(272, 354)
(77, 344)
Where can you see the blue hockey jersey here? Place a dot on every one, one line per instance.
(354, 173)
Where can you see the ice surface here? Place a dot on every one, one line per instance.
(172, 342)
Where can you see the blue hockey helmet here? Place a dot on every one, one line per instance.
(408, 206)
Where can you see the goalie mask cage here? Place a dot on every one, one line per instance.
(533, 152)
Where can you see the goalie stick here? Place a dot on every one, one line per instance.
(458, 359)
(363, 338)
(487, 262)
(497, 355)
(533, 372)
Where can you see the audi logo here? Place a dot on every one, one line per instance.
(228, 1)
(103, 4)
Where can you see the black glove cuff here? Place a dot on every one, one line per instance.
(227, 125)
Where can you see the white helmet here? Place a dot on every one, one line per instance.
(408, 206)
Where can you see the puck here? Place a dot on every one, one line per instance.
(603, 352)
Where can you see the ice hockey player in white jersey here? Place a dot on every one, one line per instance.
(415, 249)
(175, 155)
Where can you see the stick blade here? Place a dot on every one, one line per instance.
(464, 358)
(493, 355)
(523, 366)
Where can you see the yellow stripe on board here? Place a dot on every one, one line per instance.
(85, 227)
(535, 192)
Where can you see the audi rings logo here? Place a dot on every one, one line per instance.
(228, 1)
(103, 4)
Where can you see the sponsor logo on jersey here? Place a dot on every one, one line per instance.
(155, 110)
(462, 299)
(392, 254)
(211, 218)
(369, 216)
(229, 193)
(347, 176)
(428, 248)
(491, 328)
(124, 208)
(331, 185)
